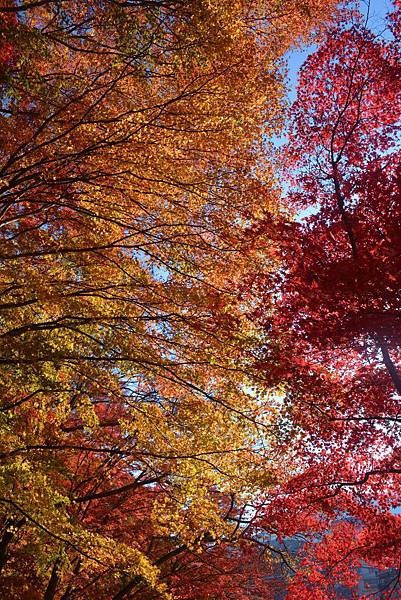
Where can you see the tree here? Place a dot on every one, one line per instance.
(334, 339)
(132, 135)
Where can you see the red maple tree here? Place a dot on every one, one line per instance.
(333, 342)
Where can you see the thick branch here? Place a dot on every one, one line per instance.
(125, 488)
(391, 368)
(7, 538)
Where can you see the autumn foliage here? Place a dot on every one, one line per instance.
(200, 351)
(134, 420)
(334, 353)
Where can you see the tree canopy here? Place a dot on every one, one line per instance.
(133, 166)
(335, 349)
(200, 357)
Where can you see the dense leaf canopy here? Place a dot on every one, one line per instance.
(335, 349)
(200, 344)
(133, 166)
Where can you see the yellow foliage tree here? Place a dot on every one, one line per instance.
(132, 168)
